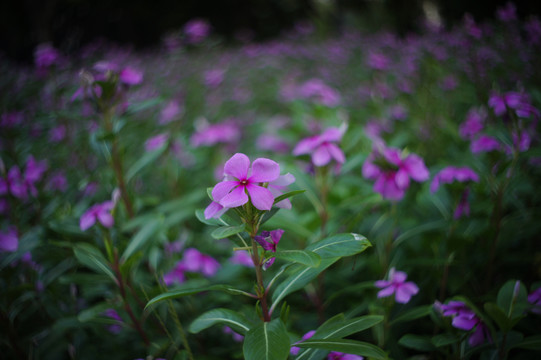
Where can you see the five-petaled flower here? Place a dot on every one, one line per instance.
(243, 183)
(322, 147)
(397, 285)
(465, 318)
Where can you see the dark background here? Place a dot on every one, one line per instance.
(69, 24)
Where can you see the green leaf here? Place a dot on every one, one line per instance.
(226, 231)
(299, 277)
(444, 340)
(498, 315)
(346, 346)
(304, 257)
(185, 292)
(530, 343)
(417, 342)
(340, 245)
(145, 160)
(91, 257)
(142, 237)
(288, 195)
(434, 225)
(337, 327)
(227, 317)
(512, 303)
(413, 314)
(268, 341)
(200, 215)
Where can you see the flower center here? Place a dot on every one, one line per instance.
(244, 182)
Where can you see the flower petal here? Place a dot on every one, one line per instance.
(306, 146)
(264, 170)
(235, 198)
(388, 291)
(237, 166)
(106, 219)
(336, 153)
(321, 156)
(222, 189)
(87, 220)
(214, 210)
(261, 197)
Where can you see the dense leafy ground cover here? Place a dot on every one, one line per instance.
(409, 168)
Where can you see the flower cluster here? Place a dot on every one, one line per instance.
(9, 241)
(245, 183)
(465, 319)
(397, 285)
(392, 170)
(19, 185)
(192, 261)
(450, 173)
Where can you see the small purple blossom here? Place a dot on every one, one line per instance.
(465, 319)
(392, 171)
(272, 143)
(535, 299)
(99, 212)
(484, 143)
(46, 56)
(335, 355)
(196, 30)
(378, 61)
(316, 90)
(195, 261)
(269, 241)
(156, 142)
(397, 285)
(463, 207)
(213, 78)
(113, 314)
(57, 134)
(9, 241)
(295, 349)
(507, 13)
(241, 257)
(130, 76)
(236, 336)
(242, 180)
(519, 102)
(450, 174)
(474, 123)
(170, 112)
(57, 182)
(322, 147)
(11, 119)
(210, 134)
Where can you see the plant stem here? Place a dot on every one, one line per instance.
(261, 293)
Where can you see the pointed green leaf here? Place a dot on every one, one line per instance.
(340, 245)
(413, 314)
(345, 346)
(186, 292)
(444, 340)
(512, 299)
(93, 312)
(143, 161)
(234, 320)
(498, 315)
(268, 341)
(226, 231)
(417, 342)
(530, 343)
(91, 257)
(304, 257)
(142, 237)
(288, 195)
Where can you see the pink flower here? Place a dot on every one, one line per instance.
(196, 31)
(130, 76)
(207, 135)
(13, 183)
(236, 336)
(378, 61)
(242, 257)
(322, 147)
(318, 91)
(195, 261)
(242, 180)
(269, 241)
(213, 78)
(156, 142)
(474, 123)
(449, 174)
(294, 349)
(484, 143)
(392, 171)
(9, 241)
(45, 56)
(170, 112)
(113, 314)
(465, 319)
(100, 212)
(397, 285)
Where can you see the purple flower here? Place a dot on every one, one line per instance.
(513, 100)
(465, 319)
(242, 180)
(507, 13)
(45, 56)
(213, 78)
(100, 212)
(195, 261)
(11, 119)
(535, 299)
(378, 61)
(269, 241)
(113, 314)
(449, 174)
(176, 275)
(241, 257)
(463, 207)
(57, 134)
(272, 143)
(170, 112)
(236, 336)
(318, 91)
(196, 31)
(322, 147)
(397, 285)
(295, 349)
(207, 135)
(156, 142)
(473, 124)
(130, 76)
(58, 182)
(335, 355)
(13, 183)
(484, 143)
(9, 241)
(533, 30)
(392, 171)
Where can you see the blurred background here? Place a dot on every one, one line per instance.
(70, 24)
